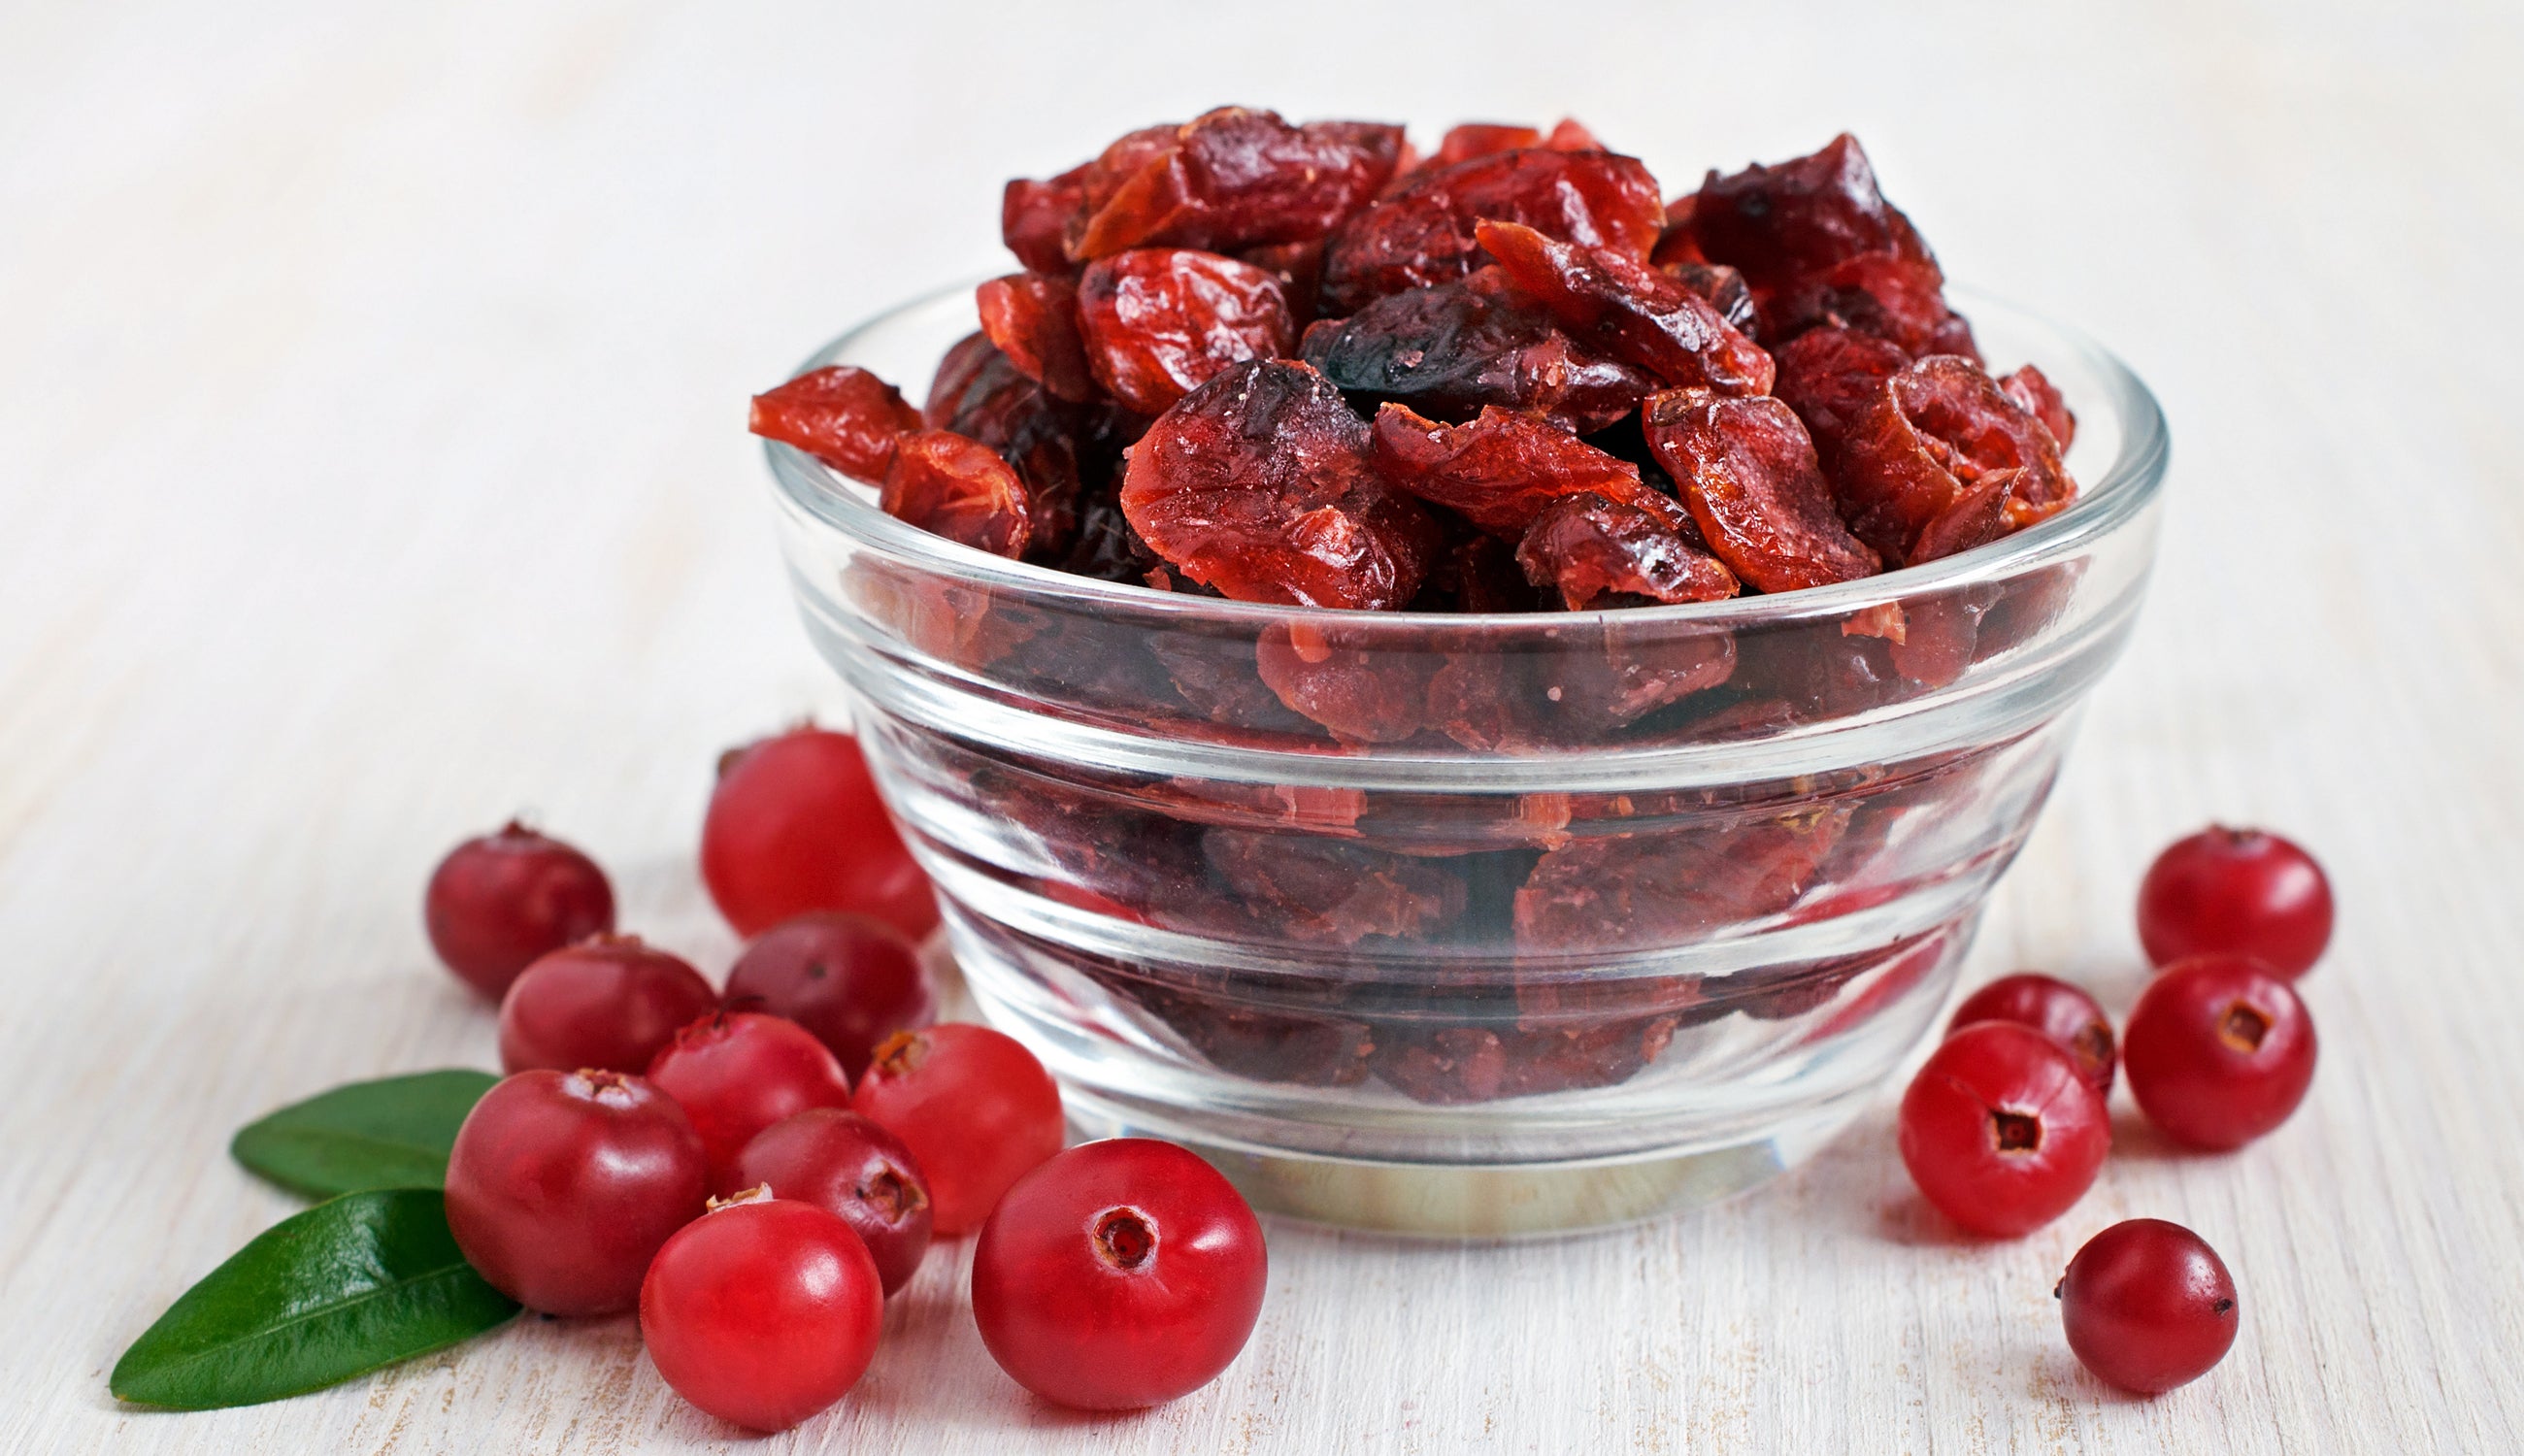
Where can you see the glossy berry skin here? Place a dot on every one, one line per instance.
(2218, 1050)
(735, 1073)
(611, 1002)
(563, 1185)
(2001, 1130)
(763, 1312)
(2148, 1305)
(975, 1109)
(796, 825)
(1118, 1275)
(2056, 1009)
(848, 1166)
(851, 979)
(497, 902)
(2236, 891)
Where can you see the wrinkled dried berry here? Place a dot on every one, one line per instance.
(1259, 484)
(1832, 378)
(1232, 178)
(2033, 390)
(1663, 889)
(1361, 694)
(841, 415)
(1630, 309)
(1502, 470)
(1747, 473)
(1332, 891)
(1423, 235)
(1035, 217)
(1033, 318)
(1724, 287)
(1453, 349)
(1924, 454)
(960, 489)
(1160, 322)
(1798, 219)
(1596, 552)
(1891, 296)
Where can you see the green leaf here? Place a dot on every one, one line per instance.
(389, 1134)
(338, 1291)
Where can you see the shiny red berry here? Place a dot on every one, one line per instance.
(2238, 890)
(497, 902)
(851, 979)
(796, 825)
(2148, 1305)
(762, 1311)
(849, 1166)
(735, 1073)
(2219, 1051)
(2001, 1130)
(1119, 1275)
(974, 1106)
(563, 1185)
(609, 1003)
(2054, 1009)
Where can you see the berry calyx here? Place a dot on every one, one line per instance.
(2219, 1051)
(735, 1073)
(796, 824)
(851, 979)
(849, 1166)
(974, 1106)
(2001, 1130)
(2241, 892)
(2148, 1305)
(2056, 1009)
(1119, 1275)
(610, 1001)
(763, 1312)
(497, 902)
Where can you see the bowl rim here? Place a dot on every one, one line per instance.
(2127, 485)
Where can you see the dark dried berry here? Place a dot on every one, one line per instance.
(960, 489)
(1502, 470)
(1363, 695)
(1160, 322)
(1033, 318)
(981, 395)
(1747, 473)
(1798, 218)
(1596, 553)
(1630, 309)
(1258, 483)
(1893, 296)
(841, 415)
(1921, 460)
(1661, 888)
(1423, 233)
(1332, 891)
(1233, 179)
(1832, 378)
(1035, 217)
(1724, 287)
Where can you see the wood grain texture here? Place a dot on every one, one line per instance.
(371, 466)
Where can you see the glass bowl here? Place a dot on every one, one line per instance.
(1567, 919)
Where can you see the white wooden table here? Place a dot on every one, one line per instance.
(371, 465)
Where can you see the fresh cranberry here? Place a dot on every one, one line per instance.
(2148, 1305)
(1118, 1275)
(2001, 1130)
(841, 1161)
(2054, 1009)
(2218, 1050)
(975, 1109)
(735, 1073)
(2239, 891)
(563, 1185)
(851, 979)
(609, 1003)
(796, 825)
(497, 902)
(763, 1312)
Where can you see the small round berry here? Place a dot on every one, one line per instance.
(2236, 891)
(1119, 1275)
(974, 1106)
(2001, 1130)
(497, 901)
(563, 1185)
(609, 1003)
(735, 1073)
(2054, 1009)
(763, 1312)
(847, 1165)
(2219, 1051)
(796, 825)
(851, 979)
(2148, 1305)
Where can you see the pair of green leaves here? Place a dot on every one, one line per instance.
(368, 1278)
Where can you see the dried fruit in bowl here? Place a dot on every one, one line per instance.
(841, 415)
(1748, 474)
(1231, 178)
(1423, 235)
(1033, 318)
(1502, 470)
(1160, 322)
(1596, 552)
(1920, 472)
(1629, 309)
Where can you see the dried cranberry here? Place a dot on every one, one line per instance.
(1592, 550)
(1747, 475)
(1160, 322)
(1362, 693)
(1035, 217)
(1832, 378)
(1502, 470)
(1233, 179)
(1628, 891)
(1630, 308)
(2029, 387)
(1801, 217)
(1033, 318)
(841, 415)
(1920, 459)
(1724, 287)
(1896, 297)
(960, 489)
(1259, 484)
(1328, 890)
(1423, 233)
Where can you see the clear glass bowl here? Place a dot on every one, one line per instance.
(1584, 916)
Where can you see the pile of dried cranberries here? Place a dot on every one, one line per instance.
(1303, 364)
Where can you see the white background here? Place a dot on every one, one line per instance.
(373, 466)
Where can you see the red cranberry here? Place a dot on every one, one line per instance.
(763, 1312)
(2239, 891)
(563, 1185)
(975, 1109)
(796, 825)
(735, 1073)
(2148, 1305)
(847, 1164)
(497, 902)
(2054, 1009)
(2001, 1130)
(851, 979)
(2219, 1051)
(1118, 1275)
(609, 1003)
